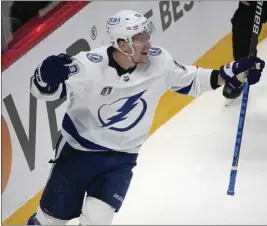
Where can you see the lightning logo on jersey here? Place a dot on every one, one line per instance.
(125, 106)
(115, 112)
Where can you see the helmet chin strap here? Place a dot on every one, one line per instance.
(130, 56)
(132, 60)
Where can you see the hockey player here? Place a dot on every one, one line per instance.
(113, 93)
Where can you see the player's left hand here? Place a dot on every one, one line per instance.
(234, 73)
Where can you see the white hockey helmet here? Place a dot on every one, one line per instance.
(125, 24)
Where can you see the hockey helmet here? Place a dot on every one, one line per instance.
(127, 25)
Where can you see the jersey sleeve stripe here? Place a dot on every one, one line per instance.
(185, 90)
(69, 127)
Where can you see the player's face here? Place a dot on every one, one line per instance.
(141, 45)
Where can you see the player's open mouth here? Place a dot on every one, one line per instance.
(144, 53)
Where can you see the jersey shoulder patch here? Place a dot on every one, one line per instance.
(94, 57)
(154, 51)
(74, 69)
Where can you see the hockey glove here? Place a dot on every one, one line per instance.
(53, 70)
(235, 73)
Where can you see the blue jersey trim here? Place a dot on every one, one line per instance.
(185, 90)
(69, 127)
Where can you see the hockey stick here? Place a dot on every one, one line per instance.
(252, 51)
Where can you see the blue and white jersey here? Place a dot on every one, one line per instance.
(111, 108)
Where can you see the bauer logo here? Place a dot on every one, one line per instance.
(118, 197)
(257, 18)
(94, 57)
(113, 20)
(154, 51)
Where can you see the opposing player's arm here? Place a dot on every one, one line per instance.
(56, 76)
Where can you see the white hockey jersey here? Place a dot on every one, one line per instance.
(111, 108)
